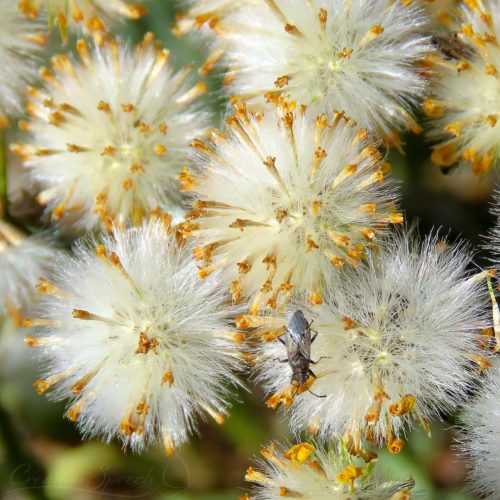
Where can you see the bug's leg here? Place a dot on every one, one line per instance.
(318, 360)
(284, 333)
(314, 336)
(310, 372)
(317, 395)
(296, 388)
(281, 360)
(310, 324)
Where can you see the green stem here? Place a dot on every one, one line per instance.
(26, 474)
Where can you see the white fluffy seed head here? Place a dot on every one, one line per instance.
(85, 16)
(20, 44)
(207, 16)
(109, 133)
(284, 199)
(318, 473)
(464, 103)
(360, 57)
(494, 235)
(23, 259)
(441, 12)
(397, 343)
(135, 341)
(480, 438)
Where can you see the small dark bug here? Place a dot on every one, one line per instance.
(298, 342)
(452, 47)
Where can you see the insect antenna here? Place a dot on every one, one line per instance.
(314, 394)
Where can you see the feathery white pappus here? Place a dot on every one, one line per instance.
(137, 343)
(206, 16)
(480, 438)
(464, 101)
(397, 343)
(318, 473)
(441, 12)
(109, 133)
(87, 16)
(494, 235)
(20, 48)
(284, 199)
(360, 57)
(23, 259)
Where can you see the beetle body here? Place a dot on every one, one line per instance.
(298, 348)
(451, 47)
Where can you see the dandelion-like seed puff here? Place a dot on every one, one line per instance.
(108, 134)
(205, 14)
(20, 46)
(480, 438)
(315, 473)
(284, 199)
(87, 16)
(441, 12)
(397, 342)
(464, 103)
(137, 343)
(23, 259)
(494, 236)
(360, 57)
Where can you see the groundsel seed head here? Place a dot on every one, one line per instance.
(86, 16)
(284, 199)
(23, 259)
(397, 343)
(20, 46)
(440, 12)
(137, 343)
(480, 438)
(108, 134)
(494, 235)
(206, 15)
(464, 103)
(315, 473)
(360, 56)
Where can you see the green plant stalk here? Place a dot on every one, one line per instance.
(19, 459)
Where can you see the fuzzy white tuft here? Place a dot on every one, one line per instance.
(317, 473)
(480, 438)
(20, 47)
(109, 134)
(285, 199)
(494, 235)
(464, 102)
(360, 57)
(397, 343)
(207, 16)
(441, 12)
(85, 16)
(23, 259)
(138, 344)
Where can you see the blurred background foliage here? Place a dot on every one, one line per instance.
(42, 454)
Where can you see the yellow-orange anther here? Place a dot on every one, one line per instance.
(349, 474)
(432, 108)
(491, 120)
(255, 476)
(299, 453)
(454, 128)
(402, 407)
(395, 446)
(444, 156)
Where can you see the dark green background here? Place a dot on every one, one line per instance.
(42, 455)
